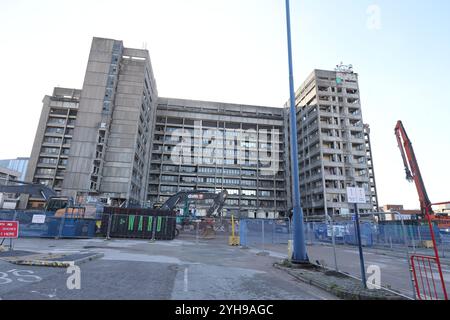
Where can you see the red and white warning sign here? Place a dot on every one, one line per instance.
(9, 229)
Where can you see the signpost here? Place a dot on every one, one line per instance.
(9, 230)
(355, 196)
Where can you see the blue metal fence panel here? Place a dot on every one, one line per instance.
(264, 231)
(52, 227)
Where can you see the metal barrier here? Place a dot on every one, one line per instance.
(51, 227)
(202, 228)
(263, 232)
(392, 235)
(428, 279)
(105, 225)
(135, 224)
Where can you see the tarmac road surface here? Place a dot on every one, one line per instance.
(134, 269)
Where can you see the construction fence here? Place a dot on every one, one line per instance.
(148, 224)
(387, 235)
(121, 223)
(388, 245)
(40, 224)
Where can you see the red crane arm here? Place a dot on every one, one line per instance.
(412, 167)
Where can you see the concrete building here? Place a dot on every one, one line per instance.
(7, 175)
(334, 143)
(18, 165)
(443, 208)
(8, 201)
(115, 140)
(239, 148)
(96, 141)
(53, 141)
(397, 212)
(111, 143)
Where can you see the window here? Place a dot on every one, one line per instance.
(233, 192)
(231, 181)
(188, 169)
(169, 178)
(166, 168)
(69, 132)
(106, 105)
(46, 172)
(57, 121)
(58, 112)
(232, 202)
(263, 193)
(231, 172)
(45, 182)
(65, 151)
(248, 203)
(250, 183)
(55, 130)
(207, 170)
(249, 193)
(50, 150)
(52, 140)
(188, 179)
(169, 189)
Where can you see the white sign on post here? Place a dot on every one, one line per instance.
(38, 218)
(356, 195)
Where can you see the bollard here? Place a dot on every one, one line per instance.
(108, 231)
(290, 249)
(233, 240)
(263, 239)
(420, 235)
(196, 231)
(243, 233)
(61, 225)
(334, 246)
(154, 230)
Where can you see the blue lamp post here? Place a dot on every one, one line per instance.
(299, 253)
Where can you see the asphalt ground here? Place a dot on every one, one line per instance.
(138, 269)
(393, 265)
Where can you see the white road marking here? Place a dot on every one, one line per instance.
(124, 256)
(51, 295)
(186, 280)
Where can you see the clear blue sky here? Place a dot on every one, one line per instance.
(235, 51)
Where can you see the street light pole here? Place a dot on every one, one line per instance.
(299, 252)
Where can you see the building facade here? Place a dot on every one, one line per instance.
(231, 147)
(7, 200)
(18, 165)
(7, 175)
(111, 143)
(334, 143)
(117, 141)
(53, 141)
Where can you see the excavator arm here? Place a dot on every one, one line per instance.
(33, 189)
(412, 167)
(182, 197)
